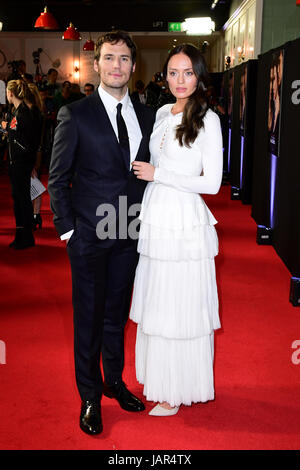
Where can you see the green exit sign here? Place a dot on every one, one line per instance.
(174, 27)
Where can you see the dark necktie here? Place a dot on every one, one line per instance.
(123, 136)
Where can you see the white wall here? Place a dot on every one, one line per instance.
(217, 54)
(243, 32)
(19, 45)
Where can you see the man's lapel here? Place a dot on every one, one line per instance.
(104, 122)
(141, 119)
(102, 116)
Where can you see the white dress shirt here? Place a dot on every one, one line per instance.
(128, 113)
(133, 128)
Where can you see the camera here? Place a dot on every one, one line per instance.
(36, 56)
(158, 77)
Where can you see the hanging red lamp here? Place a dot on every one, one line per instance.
(71, 34)
(89, 45)
(46, 21)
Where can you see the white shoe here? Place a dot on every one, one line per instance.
(161, 411)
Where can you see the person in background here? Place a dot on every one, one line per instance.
(165, 95)
(23, 144)
(139, 93)
(88, 89)
(75, 93)
(153, 90)
(53, 87)
(35, 104)
(49, 115)
(22, 67)
(62, 97)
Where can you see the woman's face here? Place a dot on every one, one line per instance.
(274, 81)
(9, 95)
(181, 78)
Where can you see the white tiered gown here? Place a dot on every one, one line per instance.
(175, 300)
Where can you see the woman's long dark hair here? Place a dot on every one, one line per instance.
(197, 105)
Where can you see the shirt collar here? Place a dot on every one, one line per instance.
(110, 102)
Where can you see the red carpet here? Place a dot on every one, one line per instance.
(257, 386)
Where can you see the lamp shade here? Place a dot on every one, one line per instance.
(46, 21)
(71, 34)
(89, 45)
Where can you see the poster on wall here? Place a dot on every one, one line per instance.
(274, 113)
(242, 123)
(230, 112)
(242, 116)
(287, 228)
(243, 96)
(275, 101)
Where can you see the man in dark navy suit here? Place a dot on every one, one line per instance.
(96, 141)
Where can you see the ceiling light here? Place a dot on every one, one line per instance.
(46, 21)
(71, 34)
(198, 26)
(214, 4)
(89, 45)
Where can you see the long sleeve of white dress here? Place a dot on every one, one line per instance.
(209, 181)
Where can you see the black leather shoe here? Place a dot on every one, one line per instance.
(126, 399)
(90, 418)
(25, 239)
(17, 237)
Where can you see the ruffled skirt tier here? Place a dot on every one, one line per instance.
(175, 300)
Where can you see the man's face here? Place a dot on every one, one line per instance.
(52, 77)
(43, 94)
(88, 90)
(114, 66)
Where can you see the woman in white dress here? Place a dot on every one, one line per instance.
(175, 301)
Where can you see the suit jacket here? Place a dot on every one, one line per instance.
(87, 165)
(23, 135)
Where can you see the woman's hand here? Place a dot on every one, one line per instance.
(143, 171)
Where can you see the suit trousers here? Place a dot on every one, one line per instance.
(19, 174)
(102, 282)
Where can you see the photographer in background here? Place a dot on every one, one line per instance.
(165, 96)
(153, 90)
(139, 94)
(15, 68)
(53, 87)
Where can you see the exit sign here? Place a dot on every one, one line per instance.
(174, 27)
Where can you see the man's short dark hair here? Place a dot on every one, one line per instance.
(90, 85)
(51, 70)
(113, 37)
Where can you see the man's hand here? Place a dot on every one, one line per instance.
(143, 171)
(34, 173)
